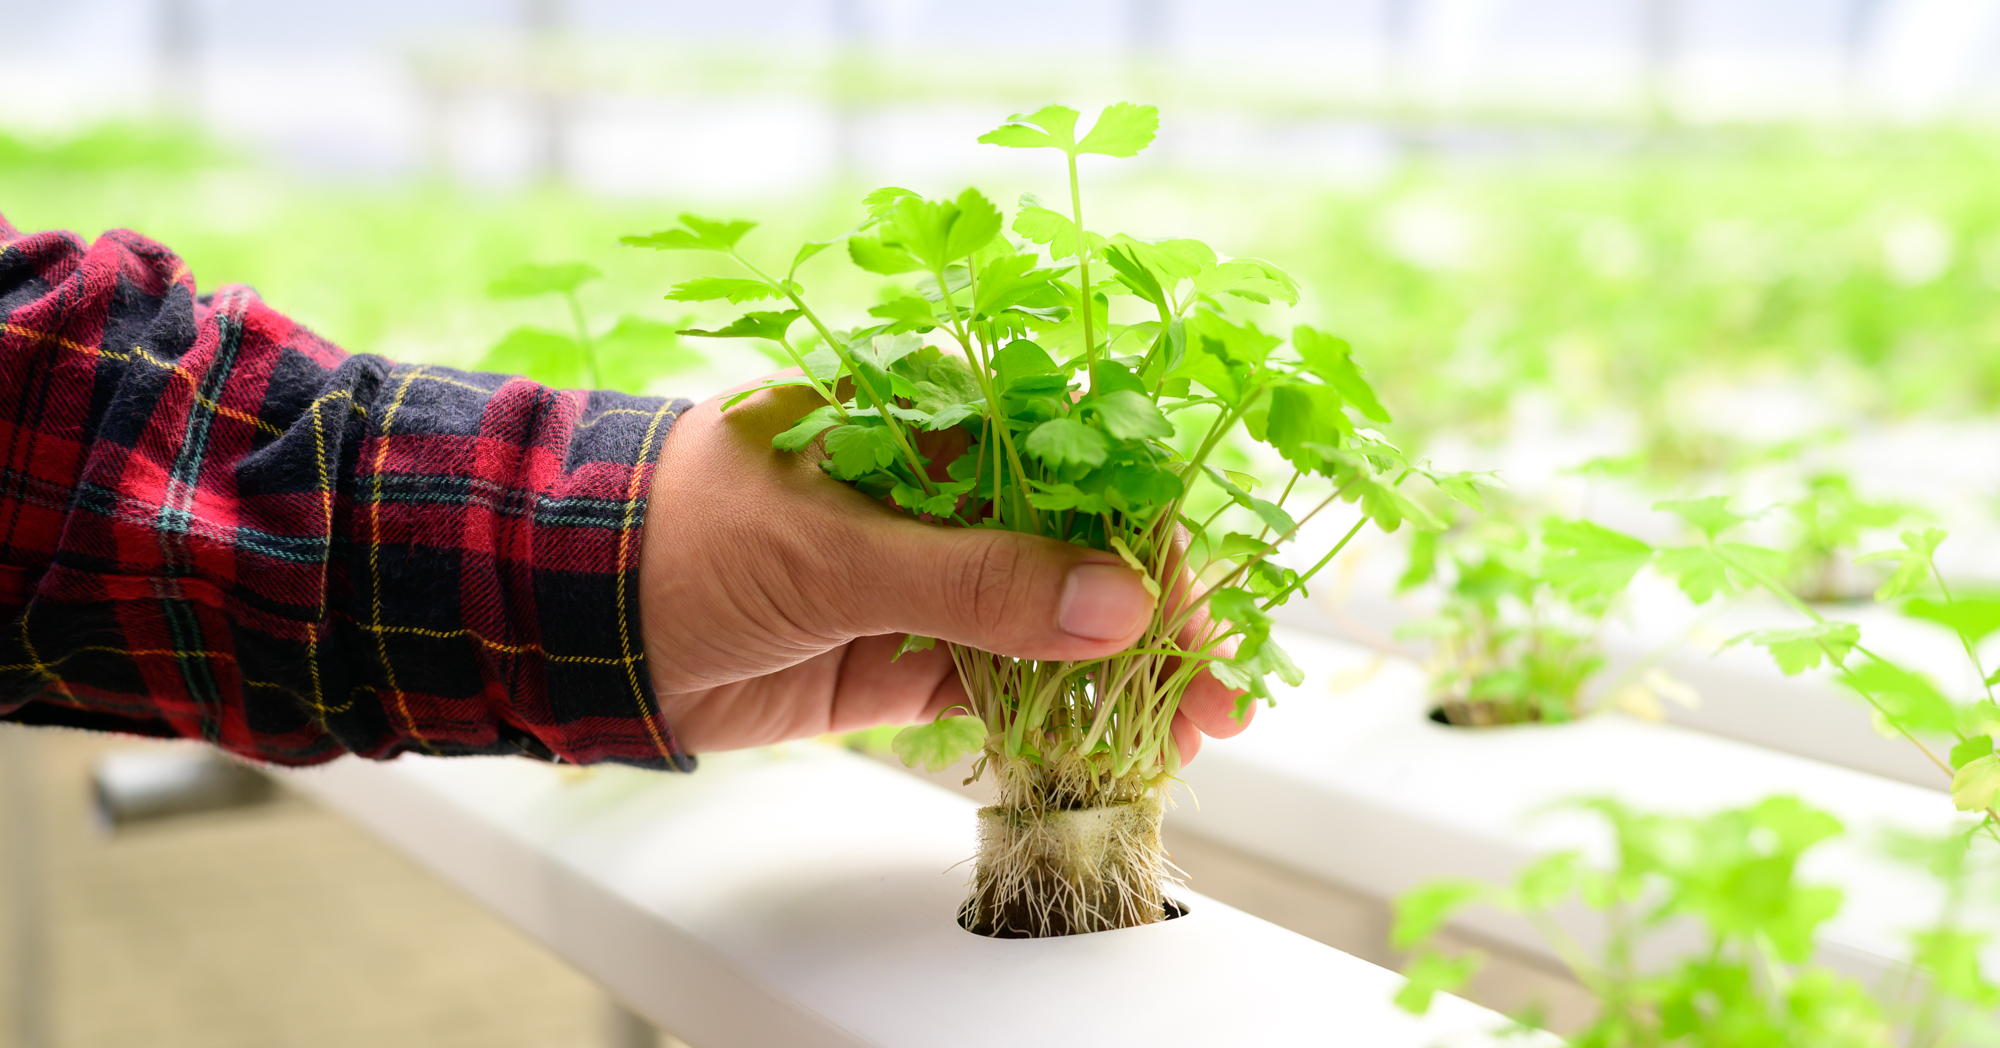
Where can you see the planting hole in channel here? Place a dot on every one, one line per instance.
(1171, 908)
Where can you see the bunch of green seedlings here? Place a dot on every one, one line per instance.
(1516, 639)
(1955, 999)
(626, 357)
(1751, 984)
(1093, 383)
(1826, 525)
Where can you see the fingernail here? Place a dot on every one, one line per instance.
(1104, 602)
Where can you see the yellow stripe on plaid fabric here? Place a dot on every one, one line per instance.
(139, 353)
(646, 452)
(374, 559)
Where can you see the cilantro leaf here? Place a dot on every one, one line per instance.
(1798, 650)
(527, 281)
(1913, 562)
(1972, 618)
(871, 254)
(545, 356)
(1710, 515)
(1052, 127)
(1589, 560)
(1065, 441)
(698, 234)
(1121, 130)
(735, 289)
(1332, 360)
(807, 429)
(1973, 786)
(1051, 229)
(939, 744)
(772, 326)
(1127, 415)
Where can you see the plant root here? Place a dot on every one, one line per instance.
(1043, 872)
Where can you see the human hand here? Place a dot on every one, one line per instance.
(773, 597)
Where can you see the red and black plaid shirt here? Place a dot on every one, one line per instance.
(216, 525)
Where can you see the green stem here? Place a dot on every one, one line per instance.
(583, 338)
(1840, 664)
(1970, 651)
(1083, 267)
(983, 373)
(903, 444)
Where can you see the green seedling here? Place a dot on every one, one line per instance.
(1732, 876)
(1093, 383)
(1517, 637)
(1827, 524)
(628, 356)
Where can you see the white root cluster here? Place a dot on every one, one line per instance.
(1043, 872)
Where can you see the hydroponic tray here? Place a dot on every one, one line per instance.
(804, 896)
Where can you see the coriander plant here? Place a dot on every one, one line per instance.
(626, 357)
(1516, 639)
(1094, 384)
(1732, 875)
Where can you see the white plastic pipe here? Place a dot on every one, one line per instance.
(805, 896)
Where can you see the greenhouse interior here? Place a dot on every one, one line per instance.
(1363, 522)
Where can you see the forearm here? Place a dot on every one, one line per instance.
(214, 524)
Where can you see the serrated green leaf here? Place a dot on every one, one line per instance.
(1589, 560)
(636, 350)
(881, 201)
(1052, 229)
(1122, 130)
(1970, 749)
(1135, 276)
(735, 289)
(1696, 570)
(1710, 515)
(1431, 973)
(1973, 786)
(859, 448)
(1127, 415)
(526, 281)
(1423, 911)
(699, 234)
(1052, 127)
(1201, 365)
(1798, 650)
(1972, 618)
(1304, 413)
(977, 224)
(1251, 278)
(1913, 562)
(1005, 282)
(807, 251)
(871, 254)
(939, 744)
(1065, 441)
(1332, 360)
(1020, 359)
(746, 393)
(912, 642)
(1548, 880)
(767, 325)
(1906, 699)
(545, 356)
(1462, 488)
(807, 429)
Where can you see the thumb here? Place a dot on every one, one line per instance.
(999, 591)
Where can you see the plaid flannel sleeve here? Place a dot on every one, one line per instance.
(216, 525)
